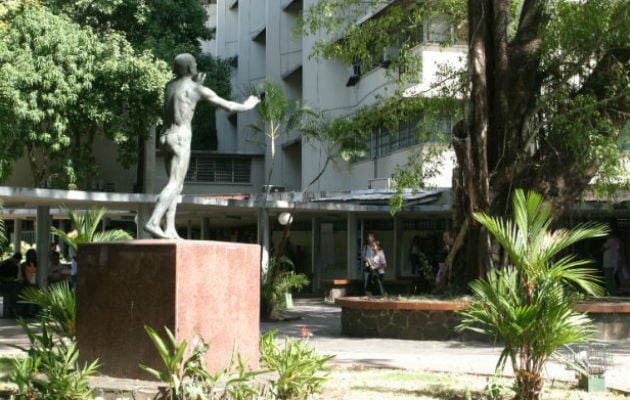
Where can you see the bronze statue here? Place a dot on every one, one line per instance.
(180, 99)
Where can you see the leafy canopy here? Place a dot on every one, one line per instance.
(61, 86)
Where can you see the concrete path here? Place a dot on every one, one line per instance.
(323, 322)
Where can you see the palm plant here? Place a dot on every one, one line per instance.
(529, 305)
(57, 304)
(275, 282)
(86, 229)
(277, 115)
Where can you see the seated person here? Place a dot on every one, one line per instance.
(29, 269)
(9, 285)
(57, 271)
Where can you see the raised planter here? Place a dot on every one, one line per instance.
(436, 320)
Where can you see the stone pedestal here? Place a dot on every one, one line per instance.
(204, 288)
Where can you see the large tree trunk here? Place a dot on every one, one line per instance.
(490, 141)
(497, 146)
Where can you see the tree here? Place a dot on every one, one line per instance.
(165, 28)
(61, 86)
(546, 97)
(527, 305)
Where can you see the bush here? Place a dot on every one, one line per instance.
(301, 372)
(51, 370)
(188, 379)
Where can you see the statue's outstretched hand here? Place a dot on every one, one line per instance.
(200, 78)
(251, 102)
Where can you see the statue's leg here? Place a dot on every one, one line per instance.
(171, 230)
(165, 198)
(179, 172)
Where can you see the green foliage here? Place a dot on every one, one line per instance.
(275, 281)
(422, 164)
(300, 371)
(165, 27)
(276, 113)
(204, 121)
(172, 355)
(187, 378)
(57, 307)
(399, 24)
(51, 370)
(528, 305)
(496, 388)
(85, 229)
(61, 86)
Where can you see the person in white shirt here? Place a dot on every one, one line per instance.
(378, 263)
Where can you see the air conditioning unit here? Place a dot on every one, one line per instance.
(390, 54)
(273, 188)
(354, 74)
(382, 184)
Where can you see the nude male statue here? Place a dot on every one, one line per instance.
(180, 99)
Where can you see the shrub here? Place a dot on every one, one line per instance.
(301, 372)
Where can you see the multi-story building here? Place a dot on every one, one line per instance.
(224, 193)
(260, 35)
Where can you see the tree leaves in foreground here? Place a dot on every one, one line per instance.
(62, 86)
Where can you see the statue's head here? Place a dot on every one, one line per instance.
(185, 65)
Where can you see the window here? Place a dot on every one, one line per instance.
(383, 141)
(214, 169)
(438, 30)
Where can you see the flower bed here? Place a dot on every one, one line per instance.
(436, 320)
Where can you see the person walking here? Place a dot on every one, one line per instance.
(366, 255)
(378, 264)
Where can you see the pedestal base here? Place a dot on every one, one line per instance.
(204, 288)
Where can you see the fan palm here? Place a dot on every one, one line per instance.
(86, 229)
(528, 305)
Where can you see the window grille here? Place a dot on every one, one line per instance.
(383, 141)
(213, 169)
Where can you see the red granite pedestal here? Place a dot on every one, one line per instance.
(204, 288)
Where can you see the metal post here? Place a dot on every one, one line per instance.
(43, 244)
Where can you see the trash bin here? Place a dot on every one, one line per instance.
(591, 362)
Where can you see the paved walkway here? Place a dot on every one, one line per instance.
(323, 322)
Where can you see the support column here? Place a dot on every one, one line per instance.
(17, 235)
(205, 228)
(149, 163)
(316, 254)
(189, 226)
(397, 269)
(43, 244)
(264, 237)
(143, 214)
(352, 268)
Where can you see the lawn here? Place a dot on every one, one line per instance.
(387, 384)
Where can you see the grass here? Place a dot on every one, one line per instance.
(360, 383)
(386, 384)
(6, 365)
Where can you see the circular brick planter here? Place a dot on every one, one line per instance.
(436, 320)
